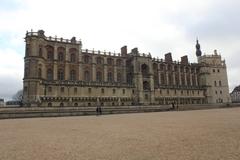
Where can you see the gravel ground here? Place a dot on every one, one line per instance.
(186, 135)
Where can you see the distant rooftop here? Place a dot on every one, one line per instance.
(237, 89)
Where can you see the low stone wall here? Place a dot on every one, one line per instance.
(30, 112)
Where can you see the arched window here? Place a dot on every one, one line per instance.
(119, 62)
(110, 77)
(119, 77)
(86, 59)
(162, 67)
(99, 60)
(39, 73)
(144, 68)
(60, 56)
(146, 85)
(60, 74)
(40, 51)
(170, 79)
(72, 57)
(49, 74)
(86, 76)
(110, 61)
(75, 104)
(129, 78)
(193, 80)
(49, 104)
(163, 79)
(50, 55)
(183, 79)
(50, 51)
(99, 76)
(61, 105)
(72, 75)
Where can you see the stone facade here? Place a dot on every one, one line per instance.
(58, 72)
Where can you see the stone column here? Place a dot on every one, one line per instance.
(55, 54)
(191, 82)
(66, 71)
(179, 76)
(159, 78)
(167, 83)
(80, 75)
(105, 73)
(124, 74)
(185, 77)
(93, 72)
(55, 71)
(115, 73)
(174, 79)
(196, 79)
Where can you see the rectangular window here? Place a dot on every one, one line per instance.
(114, 91)
(220, 83)
(133, 91)
(75, 90)
(102, 90)
(49, 89)
(89, 90)
(216, 92)
(123, 91)
(62, 89)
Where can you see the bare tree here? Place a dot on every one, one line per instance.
(18, 96)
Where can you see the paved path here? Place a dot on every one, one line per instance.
(186, 135)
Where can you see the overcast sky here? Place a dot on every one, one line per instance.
(155, 26)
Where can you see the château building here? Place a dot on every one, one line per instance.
(58, 72)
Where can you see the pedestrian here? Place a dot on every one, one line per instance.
(173, 106)
(97, 110)
(100, 110)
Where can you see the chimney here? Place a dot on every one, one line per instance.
(135, 51)
(168, 57)
(184, 60)
(124, 51)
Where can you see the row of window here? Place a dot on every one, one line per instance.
(86, 59)
(87, 77)
(61, 57)
(219, 92)
(169, 67)
(89, 104)
(62, 89)
(219, 83)
(169, 79)
(215, 70)
(175, 92)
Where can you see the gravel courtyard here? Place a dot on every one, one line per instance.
(186, 135)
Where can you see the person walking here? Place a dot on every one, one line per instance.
(97, 110)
